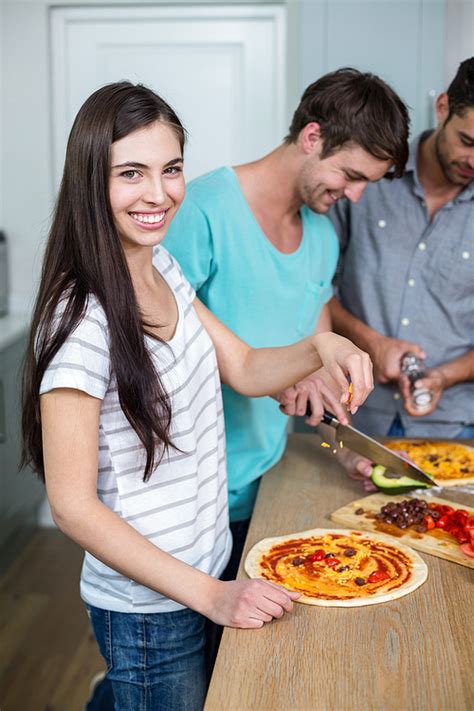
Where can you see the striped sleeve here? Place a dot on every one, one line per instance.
(83, 361)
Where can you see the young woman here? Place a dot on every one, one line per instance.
(122, 405)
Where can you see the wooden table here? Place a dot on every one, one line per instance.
(414, 653)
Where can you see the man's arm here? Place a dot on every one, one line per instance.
(385, 352)
(458, 370)
(437, 380)
(324, 323)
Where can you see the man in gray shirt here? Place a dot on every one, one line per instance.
(406, 276)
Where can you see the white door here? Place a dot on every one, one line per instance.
(222, 68)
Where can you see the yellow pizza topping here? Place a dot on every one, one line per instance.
(442, 460)
(336, 566)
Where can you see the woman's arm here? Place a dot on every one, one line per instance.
(70, 424)
(267, 371)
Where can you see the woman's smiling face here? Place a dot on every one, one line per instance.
(146, 184)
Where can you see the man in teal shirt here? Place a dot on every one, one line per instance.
(255, 244)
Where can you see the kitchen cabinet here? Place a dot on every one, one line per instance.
(21, 492)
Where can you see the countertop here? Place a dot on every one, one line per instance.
(13, 327)
(412, 654)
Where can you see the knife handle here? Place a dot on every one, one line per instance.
(328, 418)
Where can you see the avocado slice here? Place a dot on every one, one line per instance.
(391, 483)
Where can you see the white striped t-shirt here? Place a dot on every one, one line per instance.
(182, 508)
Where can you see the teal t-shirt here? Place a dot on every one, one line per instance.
(266, 297)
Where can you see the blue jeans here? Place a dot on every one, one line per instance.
(154, 662)
(398, 430)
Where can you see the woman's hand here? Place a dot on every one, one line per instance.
(248, 604)
(346, 362)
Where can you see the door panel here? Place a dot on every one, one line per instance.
(221, 68)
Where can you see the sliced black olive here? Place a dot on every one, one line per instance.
(297, 561)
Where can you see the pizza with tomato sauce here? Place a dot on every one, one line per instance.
(449, 463)
(338, 568)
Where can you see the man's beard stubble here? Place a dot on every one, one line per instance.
(445, 165)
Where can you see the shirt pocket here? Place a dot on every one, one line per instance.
(314, 297)
(452, 275)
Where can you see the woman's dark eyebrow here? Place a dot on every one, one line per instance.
(174, 161)
(130, 164)
(133, 164)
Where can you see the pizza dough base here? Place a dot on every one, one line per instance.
(419, 571)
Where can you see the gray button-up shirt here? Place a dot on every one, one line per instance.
(412, 279)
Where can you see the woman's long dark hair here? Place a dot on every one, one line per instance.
(84, 256)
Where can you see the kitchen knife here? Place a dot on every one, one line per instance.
(373, 450)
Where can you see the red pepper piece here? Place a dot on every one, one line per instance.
(445, 509)
(378, 575)
(460, 517)
(463, 537)
(468, 549)
(455, 530)
(441, 522)
(331, 562)
(317, 555)
(429, 522)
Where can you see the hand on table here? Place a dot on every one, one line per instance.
(319, 390)
(357, 467)
(387, 353)
(344, 361)
(248, 604)
(434, 381)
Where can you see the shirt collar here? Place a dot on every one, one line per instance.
(413, 152)
(410, 167)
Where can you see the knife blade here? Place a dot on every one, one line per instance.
(373, 450)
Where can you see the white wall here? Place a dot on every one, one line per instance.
(459, 35)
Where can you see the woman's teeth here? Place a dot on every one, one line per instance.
(149, 219)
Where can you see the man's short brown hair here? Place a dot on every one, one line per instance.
(461, 90)
(352, 107)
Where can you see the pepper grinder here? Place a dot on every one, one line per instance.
(414, 368)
